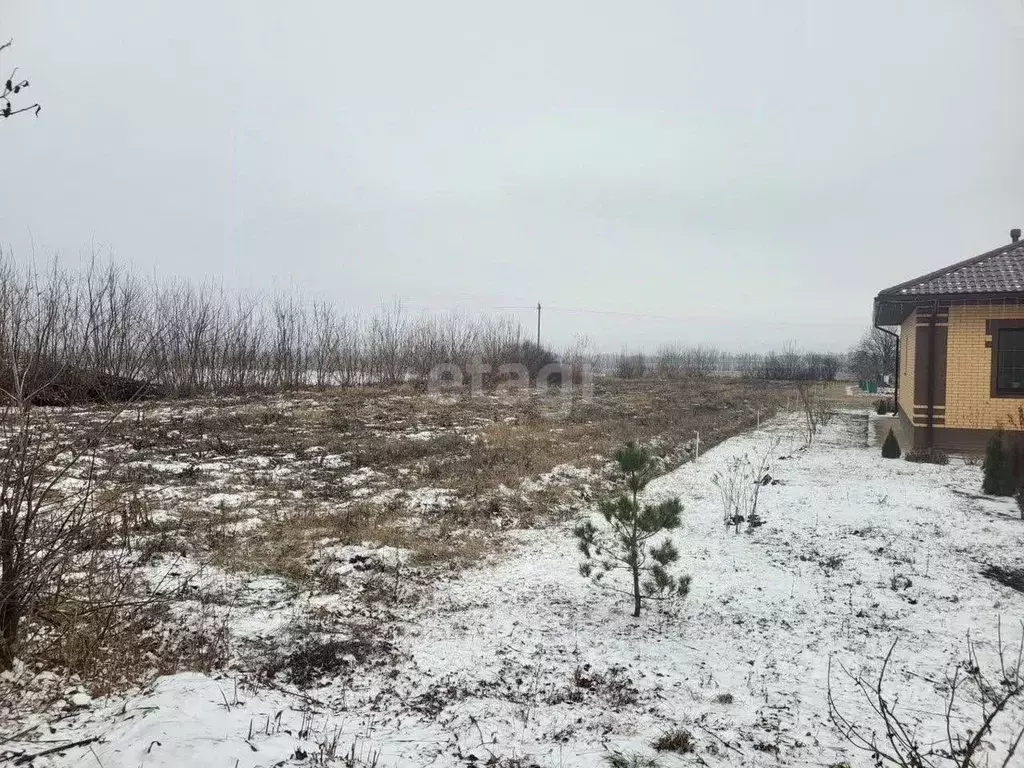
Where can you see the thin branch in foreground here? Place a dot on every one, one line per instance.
(969, 741)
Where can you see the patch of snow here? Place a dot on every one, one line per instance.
(423, 435)
(361, 476)
(333, 461)
(431, 499)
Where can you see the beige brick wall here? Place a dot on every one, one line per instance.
(969, 403)
(907, 339)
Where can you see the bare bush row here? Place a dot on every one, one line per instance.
(673, 361)
(185, 339)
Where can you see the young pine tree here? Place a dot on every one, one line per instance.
(890, 447)
(626, 542)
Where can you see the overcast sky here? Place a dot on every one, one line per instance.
(748, 173)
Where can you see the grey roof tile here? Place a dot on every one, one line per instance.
(998, 271)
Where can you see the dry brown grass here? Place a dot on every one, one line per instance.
(477, 445)
(290, 502)
(284, 545)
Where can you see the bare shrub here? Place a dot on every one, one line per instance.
(675, 362)
(790, 365)
(678, 740)
(115, 332)
(631, 760)
(580, 358)
(977, 699)
(811, 410)
(614, 687)
(631, 365)
(739, 487)
(50, 521)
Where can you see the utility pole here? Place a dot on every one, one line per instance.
(538, 325)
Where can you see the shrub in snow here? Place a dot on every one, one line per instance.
(812, 410)
(883, 407)
(927, 456)
(678, 740)
(614, 687)
(739, 487)
(980, 717)
(997, 478)
(891, 447)
(1019, 497)
(625, 543)
(900, 581)
(631, 760)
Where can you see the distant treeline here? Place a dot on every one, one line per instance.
(676, 362)
(102, 328)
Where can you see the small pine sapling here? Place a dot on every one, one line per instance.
(890, 447)
(625, 544)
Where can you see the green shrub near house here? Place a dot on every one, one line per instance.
(891, 447)
(997, 474)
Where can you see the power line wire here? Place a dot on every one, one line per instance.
(671, 318)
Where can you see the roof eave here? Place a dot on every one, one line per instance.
(893, 308)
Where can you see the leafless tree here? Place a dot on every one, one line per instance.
(874, 356)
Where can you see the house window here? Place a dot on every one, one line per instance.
(1010, 362)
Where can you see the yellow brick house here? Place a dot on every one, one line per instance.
(960, 373)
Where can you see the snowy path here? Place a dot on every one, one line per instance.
(524, 658)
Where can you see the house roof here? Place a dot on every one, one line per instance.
(995, 274)
(998, 271)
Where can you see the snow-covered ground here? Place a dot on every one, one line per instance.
(521, 661)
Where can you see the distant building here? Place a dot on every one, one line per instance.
(961, 350)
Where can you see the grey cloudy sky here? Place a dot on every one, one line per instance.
(755, 170)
